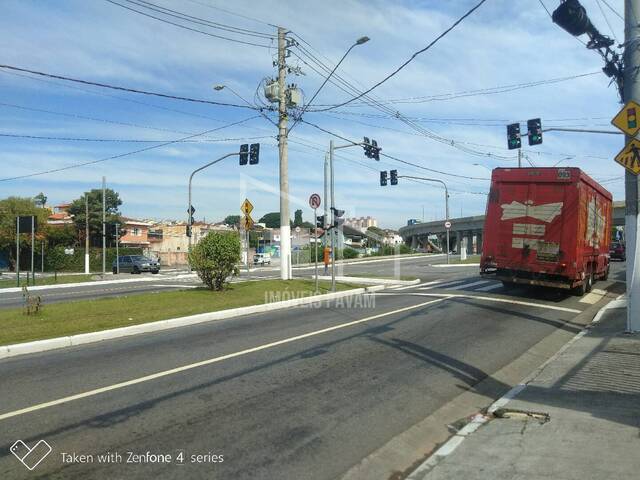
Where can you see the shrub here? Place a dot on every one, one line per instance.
(348, 253)
(215, 258)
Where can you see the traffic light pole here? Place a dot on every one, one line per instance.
(632, 188)
(446, 202)
(190, 216)
(332, 148)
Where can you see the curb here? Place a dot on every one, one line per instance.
(479, 419)
(7, 351)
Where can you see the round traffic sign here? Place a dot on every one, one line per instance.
(297, 229)
(314, 200)
(447, 225)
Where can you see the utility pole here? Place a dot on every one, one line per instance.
(333, 219)
(519, 160)
(104, 225)
(326, 198)
(86, 233)
(632, 186)
(285, 228)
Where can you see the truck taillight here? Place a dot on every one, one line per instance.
(563, 265)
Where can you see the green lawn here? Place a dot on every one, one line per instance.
(47, 280)
(61, 319)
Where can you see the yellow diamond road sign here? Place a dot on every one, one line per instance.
(628, 119)
(246, 222)
(629, 157)
(246, 207)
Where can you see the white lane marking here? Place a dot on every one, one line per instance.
(209, 361)
(493, 286)
(434, 282)
(488, 299)
(468, 285)
(444, 285)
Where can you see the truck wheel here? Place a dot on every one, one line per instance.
(507, 285)
(588, 283)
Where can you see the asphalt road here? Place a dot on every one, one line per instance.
(304, 393)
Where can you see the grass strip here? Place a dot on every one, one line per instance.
(62, 319)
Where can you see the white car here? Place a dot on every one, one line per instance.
(261, 259)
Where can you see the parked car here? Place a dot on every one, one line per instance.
(618, 250)
(136, 264)
(261, 259)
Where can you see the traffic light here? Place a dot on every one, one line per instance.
(337, 221)
(254, 154)
(320, 222)
(244, 154)
(534, 131)
(188, 230)
(394, 177)
(383, 178)
(371, 149)
(513, 136)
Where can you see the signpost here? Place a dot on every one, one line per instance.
(629, 157)
(314, 202)
(246, 222)
(627, 119)
(447, 225)
(25, 224)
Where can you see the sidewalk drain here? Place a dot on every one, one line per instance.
(521, 415)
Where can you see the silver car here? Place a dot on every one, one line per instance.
(136, 264)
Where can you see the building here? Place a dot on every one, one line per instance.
(136, 233)
(361, 223)
(60, 216)
(169, 241)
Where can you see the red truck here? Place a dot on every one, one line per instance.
(547, 226)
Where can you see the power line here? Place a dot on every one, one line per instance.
(188, 28)
(433, 42)
(113, 157)
(613, 10)
(239, 15)
(478, 92)
(199, 20)
(125, 89)
(124, 140)
(606, 19)
(394, 158)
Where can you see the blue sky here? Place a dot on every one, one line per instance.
(503, 43)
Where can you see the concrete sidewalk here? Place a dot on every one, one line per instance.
(578, 418)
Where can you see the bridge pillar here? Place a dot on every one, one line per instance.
(414, 242)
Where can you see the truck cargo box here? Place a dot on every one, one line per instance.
(547, 226)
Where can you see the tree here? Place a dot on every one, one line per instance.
(215, 258)
(232, 220)
(10, 208)
(56, 259)
(77, 209)
(40, 199)
(297, 218)
(271, 220)
(64, 235)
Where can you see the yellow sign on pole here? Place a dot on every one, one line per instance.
(246, 207)
(629, 157)
(627, 119)
(246, 222)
